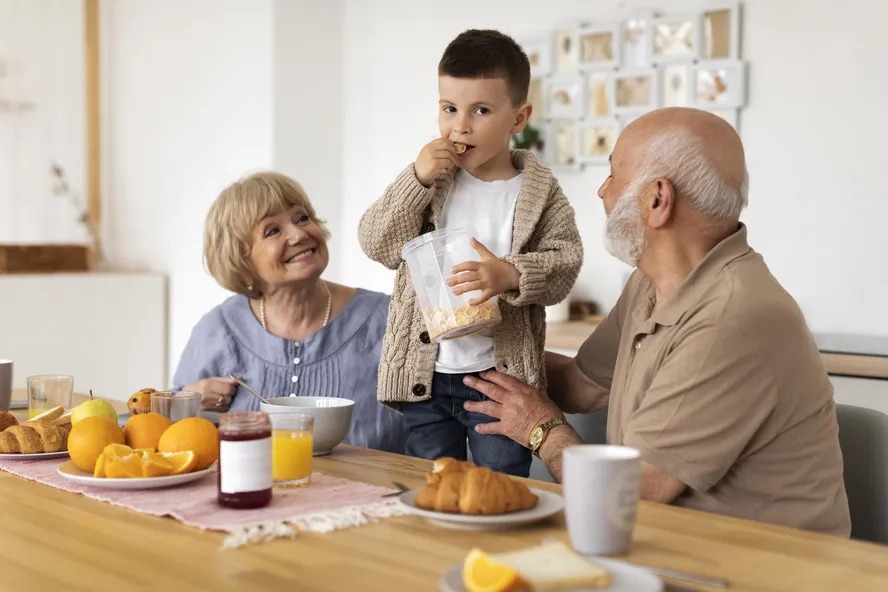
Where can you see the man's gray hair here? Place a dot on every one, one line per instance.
(680, 157)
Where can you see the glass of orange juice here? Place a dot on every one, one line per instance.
(291, 445)
(47, 391)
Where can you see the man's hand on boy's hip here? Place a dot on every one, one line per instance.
(491, 275)
(435, 157)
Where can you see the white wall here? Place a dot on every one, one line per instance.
(813, 132)
(41, 64)
(187, 108)
(308, 97)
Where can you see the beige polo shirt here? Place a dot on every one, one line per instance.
(724, 389)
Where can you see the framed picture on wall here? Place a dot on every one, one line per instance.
(720, 32)
(600, 93)
(561, 149)
(539, 54)
(719, 84)
(675, 85)
(536, 97)
(675, 38)
(626, 117)
(598, 45)
(636, 90)
(596, 139)
(566, 50)
(565, 97)
(636, 41)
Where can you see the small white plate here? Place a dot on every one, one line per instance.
(549, 504)
(625, 577)
(33, 456)
(69, 471)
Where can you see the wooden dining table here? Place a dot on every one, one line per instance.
(55, 540)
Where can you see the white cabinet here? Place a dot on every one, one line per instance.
(108, 330)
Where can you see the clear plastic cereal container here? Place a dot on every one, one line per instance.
(430, 257)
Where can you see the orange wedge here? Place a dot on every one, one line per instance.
(100, 466)
(120, 467)
(483, 574)
(155, 465)
(181, 462)
(118, 450)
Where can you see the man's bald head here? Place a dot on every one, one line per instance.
(699, 152)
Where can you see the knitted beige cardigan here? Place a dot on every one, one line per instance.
(546, 250)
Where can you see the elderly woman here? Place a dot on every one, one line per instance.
(286, 331)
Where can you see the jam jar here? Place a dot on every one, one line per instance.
(244, 460)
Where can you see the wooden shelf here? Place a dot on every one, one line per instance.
(570, 336)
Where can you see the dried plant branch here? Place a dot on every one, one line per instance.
(62, 188)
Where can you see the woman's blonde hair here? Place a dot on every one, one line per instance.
(228, 233)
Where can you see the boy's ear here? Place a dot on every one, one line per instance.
(522, 116)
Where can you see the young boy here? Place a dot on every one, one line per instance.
(525, 234)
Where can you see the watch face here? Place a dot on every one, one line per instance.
(536, 436)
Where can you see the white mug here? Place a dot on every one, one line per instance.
(601, 489)
(5, 384)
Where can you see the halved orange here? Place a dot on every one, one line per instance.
(118, 450)
(182, 462)
(483, 574)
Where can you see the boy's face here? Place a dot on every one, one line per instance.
(478, 112)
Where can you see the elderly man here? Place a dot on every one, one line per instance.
(705, 363)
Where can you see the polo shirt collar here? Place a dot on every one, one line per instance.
(692, 288)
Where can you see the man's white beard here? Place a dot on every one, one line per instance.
(624, 232)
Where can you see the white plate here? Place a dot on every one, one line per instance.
(625, 577)
(33, 456)
(69, 471)
(549, 504)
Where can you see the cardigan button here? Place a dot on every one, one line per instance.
(424, 337)
(419, 390)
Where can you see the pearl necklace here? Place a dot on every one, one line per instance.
(326, 316)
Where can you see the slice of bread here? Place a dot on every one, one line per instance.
(554, 566)
(49, 414)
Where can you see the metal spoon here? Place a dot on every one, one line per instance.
(249, 390)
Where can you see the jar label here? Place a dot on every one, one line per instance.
(244, 465)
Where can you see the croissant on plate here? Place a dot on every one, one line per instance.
(462, 487)
(33, 437)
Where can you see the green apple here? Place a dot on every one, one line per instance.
(93, 407)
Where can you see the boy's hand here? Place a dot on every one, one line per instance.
(434, 158)
(491, 275)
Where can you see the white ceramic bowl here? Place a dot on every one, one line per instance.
(332, 417)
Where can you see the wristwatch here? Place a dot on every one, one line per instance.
(538, 434)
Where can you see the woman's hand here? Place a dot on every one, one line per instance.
(215, 393)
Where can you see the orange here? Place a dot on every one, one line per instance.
(192, 433)
(155, 465)
(483, 574)
(89, 437)
(123, 467)
(99, 471)
(145, 430)
(140, 402)
(182, 462)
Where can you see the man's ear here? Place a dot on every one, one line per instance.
(659, 202)
(522, 116)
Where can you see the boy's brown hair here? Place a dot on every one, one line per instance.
(486, 53)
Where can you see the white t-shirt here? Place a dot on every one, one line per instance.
(487, 208)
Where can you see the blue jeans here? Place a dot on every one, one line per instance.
(439, 427)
